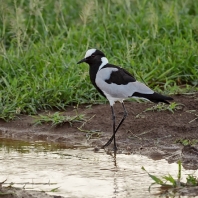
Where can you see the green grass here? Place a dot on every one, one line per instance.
(42, 40)
(186, 141)
(168, 182)
(172, 107)
(57, 119)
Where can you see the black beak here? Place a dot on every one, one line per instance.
(81, 61)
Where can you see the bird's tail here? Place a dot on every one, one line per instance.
(155, 97)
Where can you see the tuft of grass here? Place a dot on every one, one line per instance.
(42, 40)
(57, 119)
(169, 182)
(186, 142)
(172, 107)
(191, 180)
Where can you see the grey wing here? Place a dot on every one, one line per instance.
(121, 90)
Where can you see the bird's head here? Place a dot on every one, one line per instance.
(93, 56)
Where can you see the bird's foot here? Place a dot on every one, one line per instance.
(108, 143)
(115, 148)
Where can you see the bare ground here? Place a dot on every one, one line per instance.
(156, 134)
(11, 192)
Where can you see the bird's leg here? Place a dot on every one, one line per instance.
(114, 132)
(113, 136)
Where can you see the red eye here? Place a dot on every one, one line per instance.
(92, 55)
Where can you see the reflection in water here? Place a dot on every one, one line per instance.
(116, 168)
(25, 147)
(79, 172)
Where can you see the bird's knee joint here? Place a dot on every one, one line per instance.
(125, 114)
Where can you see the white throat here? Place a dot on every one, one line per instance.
(104, 62)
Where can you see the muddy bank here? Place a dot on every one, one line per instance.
(156, 134)
(10, 192)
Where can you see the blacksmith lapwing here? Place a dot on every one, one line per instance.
(116, 84)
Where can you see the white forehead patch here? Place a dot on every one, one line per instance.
(89, 52)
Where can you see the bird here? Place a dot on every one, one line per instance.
(117, 84)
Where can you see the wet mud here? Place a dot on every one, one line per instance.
(11, 192)
(157, 134)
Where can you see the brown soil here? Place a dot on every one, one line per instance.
(156, 134)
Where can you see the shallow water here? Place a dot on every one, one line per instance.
(79, 172)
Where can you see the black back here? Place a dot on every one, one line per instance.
(120, 77)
